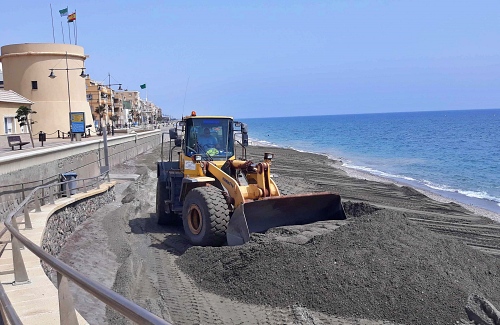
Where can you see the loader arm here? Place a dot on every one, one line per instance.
(264, 187)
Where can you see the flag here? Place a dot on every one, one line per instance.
(64, 12)
(143, 86)
(72, 17)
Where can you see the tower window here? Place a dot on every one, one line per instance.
(34, 84)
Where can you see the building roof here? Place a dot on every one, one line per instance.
(10, 96)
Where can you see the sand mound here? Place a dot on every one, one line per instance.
(379, 266)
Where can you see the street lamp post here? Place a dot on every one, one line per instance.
(111, 92)
(105, 132)
(83, 75)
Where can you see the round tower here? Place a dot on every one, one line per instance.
(26, 70)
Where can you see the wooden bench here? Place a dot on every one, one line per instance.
(15, 140)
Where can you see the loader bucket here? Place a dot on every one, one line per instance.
(261, 215)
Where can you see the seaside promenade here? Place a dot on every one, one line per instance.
(38, 300)
(5, 150)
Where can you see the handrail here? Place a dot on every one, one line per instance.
(8, 309)
(22, 188)
(112, 299)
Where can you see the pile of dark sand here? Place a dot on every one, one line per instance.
(379, 266)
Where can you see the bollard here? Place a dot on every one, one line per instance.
(42, 137)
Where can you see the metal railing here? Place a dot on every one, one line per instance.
(67, 312)
(13, 194)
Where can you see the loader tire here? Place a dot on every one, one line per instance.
(205, 216)
(161, 195)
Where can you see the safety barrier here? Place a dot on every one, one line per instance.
(67, 312)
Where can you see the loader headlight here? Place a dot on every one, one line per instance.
(268, 156)
(197, 158)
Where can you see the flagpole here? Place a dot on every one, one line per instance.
(62, 32)
(69, 32)
(52, 18)
(75, 28)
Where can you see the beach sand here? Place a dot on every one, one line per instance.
(396, 242)
(399, 258)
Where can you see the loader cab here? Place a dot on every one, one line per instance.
(211, 137)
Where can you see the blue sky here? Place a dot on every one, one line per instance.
(282, 58)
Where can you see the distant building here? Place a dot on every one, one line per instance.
(150, 112)
(99, 95)
(130, 102)
(26, 69)
(10, 101)
(1, 76)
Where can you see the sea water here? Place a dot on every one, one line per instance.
(452, 153)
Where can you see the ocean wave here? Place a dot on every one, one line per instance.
(473, 194)
(425, 183)
(378, 172)
(262, 143)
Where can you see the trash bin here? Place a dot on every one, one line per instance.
(71, 178)
(42, 137)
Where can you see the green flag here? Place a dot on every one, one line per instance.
(64, 12)
(143, 86)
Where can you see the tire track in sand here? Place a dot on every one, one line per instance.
(187, 304)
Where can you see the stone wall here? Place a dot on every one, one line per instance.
(63, 223)
(21, 173)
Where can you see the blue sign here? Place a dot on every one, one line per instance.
(77, 122)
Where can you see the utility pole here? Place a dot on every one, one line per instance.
(105, 139)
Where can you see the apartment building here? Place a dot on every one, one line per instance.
(10, 101)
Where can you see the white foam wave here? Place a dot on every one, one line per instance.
(378, 172)
(474, 194)
(418, 183)
(261, 143)
(264, 143)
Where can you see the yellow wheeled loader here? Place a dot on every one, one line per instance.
(223, 199)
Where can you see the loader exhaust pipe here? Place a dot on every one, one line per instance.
(261, 215)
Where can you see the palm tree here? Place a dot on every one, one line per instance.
(114, 119)
(101, 111)
(133, 112)
(24, 118)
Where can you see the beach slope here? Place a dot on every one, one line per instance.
(400, 257)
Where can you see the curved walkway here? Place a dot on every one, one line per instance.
(37, 302)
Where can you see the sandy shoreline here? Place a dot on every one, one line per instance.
(391, 262)
(359, 174)
(436, 197)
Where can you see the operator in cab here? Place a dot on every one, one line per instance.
(208, 142)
